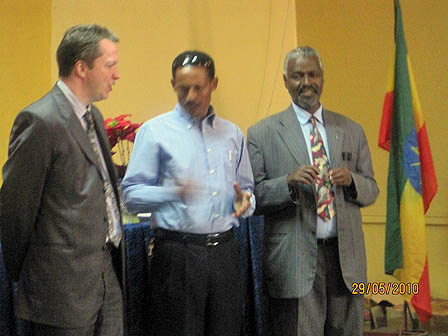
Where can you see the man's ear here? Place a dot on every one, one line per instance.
(214, 83)
(285, 80)
(172, 82)
(80, 68)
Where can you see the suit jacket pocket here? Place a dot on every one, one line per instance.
(275, 253)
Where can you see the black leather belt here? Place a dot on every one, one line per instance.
(209, 240)
(327, 242)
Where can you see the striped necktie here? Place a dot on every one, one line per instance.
(324, 194)
(112, 210)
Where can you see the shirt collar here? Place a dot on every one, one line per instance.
(304, 116)
(209, 119)
(78, 107)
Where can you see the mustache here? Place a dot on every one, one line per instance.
(190, 104)
(307, 87)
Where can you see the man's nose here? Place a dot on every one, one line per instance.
(191, 95)
(306, 80)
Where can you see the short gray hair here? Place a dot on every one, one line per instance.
(81, 42)
(301, 53)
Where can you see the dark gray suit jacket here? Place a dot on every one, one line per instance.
(276, 147)
(52, 213)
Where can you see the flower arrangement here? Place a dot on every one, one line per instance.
(121, 132)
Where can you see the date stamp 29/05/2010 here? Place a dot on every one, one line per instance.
(385, 288)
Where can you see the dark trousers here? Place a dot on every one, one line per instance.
(329, 309)
(195, 290)
(109, 319)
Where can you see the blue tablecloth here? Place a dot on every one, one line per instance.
(250, 237)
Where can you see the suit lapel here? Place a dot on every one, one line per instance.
(82, 138)
(335, 138)
(74, 126)
(290, 131)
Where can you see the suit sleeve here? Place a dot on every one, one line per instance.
(363, 176)
(272, 194)
(29, 158)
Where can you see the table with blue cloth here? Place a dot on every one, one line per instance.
(250, 236)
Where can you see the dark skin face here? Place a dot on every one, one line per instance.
(194, 88)
(304, 80)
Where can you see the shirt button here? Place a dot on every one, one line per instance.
(214, 193)
(212, 171)
(217, 215)
(209, 150)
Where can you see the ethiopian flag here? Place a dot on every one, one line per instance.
(411, 181)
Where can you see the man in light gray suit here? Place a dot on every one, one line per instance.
(59, 204)
(312, 257)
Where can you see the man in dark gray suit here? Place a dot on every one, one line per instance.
(59, 204)
(312, 176)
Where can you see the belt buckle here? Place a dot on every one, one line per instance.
(325, 241)
(211, 243)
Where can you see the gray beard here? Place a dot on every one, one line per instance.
(306, 104)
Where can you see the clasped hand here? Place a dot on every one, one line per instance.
(307, 175)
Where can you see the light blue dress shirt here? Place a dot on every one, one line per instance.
(324, 229)
(174, 147)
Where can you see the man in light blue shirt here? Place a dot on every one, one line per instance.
(191, 170)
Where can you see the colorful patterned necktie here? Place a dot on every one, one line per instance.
(324, 194)
(113, 214)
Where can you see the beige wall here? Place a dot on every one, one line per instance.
(246, 38)
(25, 28)
(355, 39)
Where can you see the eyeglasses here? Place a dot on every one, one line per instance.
(193, 60)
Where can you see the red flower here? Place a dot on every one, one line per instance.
(118, 130)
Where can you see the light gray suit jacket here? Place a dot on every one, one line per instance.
(277, 147)
(53, 223)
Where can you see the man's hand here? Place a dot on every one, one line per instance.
(242, 200)
(189, 190)
(303, 174)
(341, 177)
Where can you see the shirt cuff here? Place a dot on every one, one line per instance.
(350, 191)
(293, 194)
